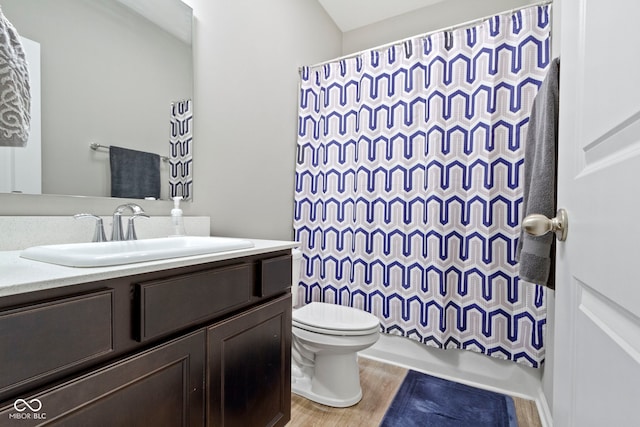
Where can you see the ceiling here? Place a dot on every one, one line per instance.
(351, 14)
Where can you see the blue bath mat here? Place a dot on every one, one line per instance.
(424, 400)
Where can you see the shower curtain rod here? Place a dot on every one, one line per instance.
(451, 28)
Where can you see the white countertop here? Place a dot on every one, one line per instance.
(19, 275)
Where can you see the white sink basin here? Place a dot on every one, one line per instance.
(127, 252)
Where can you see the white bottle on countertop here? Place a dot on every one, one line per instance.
(177, 221)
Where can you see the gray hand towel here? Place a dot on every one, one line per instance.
(535, 254)
(134, 174)
(15, 91)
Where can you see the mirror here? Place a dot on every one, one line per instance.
(109, 76)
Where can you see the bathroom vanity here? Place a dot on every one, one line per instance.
(203, 340)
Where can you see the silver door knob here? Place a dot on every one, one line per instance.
(539, 225)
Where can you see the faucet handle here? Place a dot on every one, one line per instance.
(131, 231)
(98, 234)
(136, 209)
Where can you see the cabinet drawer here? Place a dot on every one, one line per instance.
(275, 275)
(159, 387)
(172, 304)
(42, 339)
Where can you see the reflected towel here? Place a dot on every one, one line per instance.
(15, 95)
(134, 174)
(535, 254)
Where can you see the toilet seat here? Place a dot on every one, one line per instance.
(332, 319)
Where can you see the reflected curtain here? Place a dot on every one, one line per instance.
(181, 154)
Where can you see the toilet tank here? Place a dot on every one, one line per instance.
(296, 259)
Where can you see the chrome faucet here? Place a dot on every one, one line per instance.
(116, 230)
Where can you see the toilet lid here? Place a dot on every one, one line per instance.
(333, 317)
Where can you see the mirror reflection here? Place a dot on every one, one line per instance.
(108, 76)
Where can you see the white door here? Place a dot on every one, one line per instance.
(597, 342)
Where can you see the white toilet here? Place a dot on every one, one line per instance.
(326, 339)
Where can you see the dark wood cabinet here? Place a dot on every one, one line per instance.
(249, 368)
(208, 344)
(159, 387)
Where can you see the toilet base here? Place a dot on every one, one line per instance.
(334, 381)
(303, 388)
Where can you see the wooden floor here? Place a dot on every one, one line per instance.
(380, 382)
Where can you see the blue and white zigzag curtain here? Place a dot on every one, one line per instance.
(181, 156)
(408, 185)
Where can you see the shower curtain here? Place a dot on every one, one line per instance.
(408, 185)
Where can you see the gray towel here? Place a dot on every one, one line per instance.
(15, 91)
(535, 254)
(134, 174)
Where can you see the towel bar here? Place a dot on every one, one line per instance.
(95, 147)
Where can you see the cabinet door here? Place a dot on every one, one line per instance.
(249, 368)
(159, 387)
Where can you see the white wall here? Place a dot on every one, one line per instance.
(438, 16)
(245, 110)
